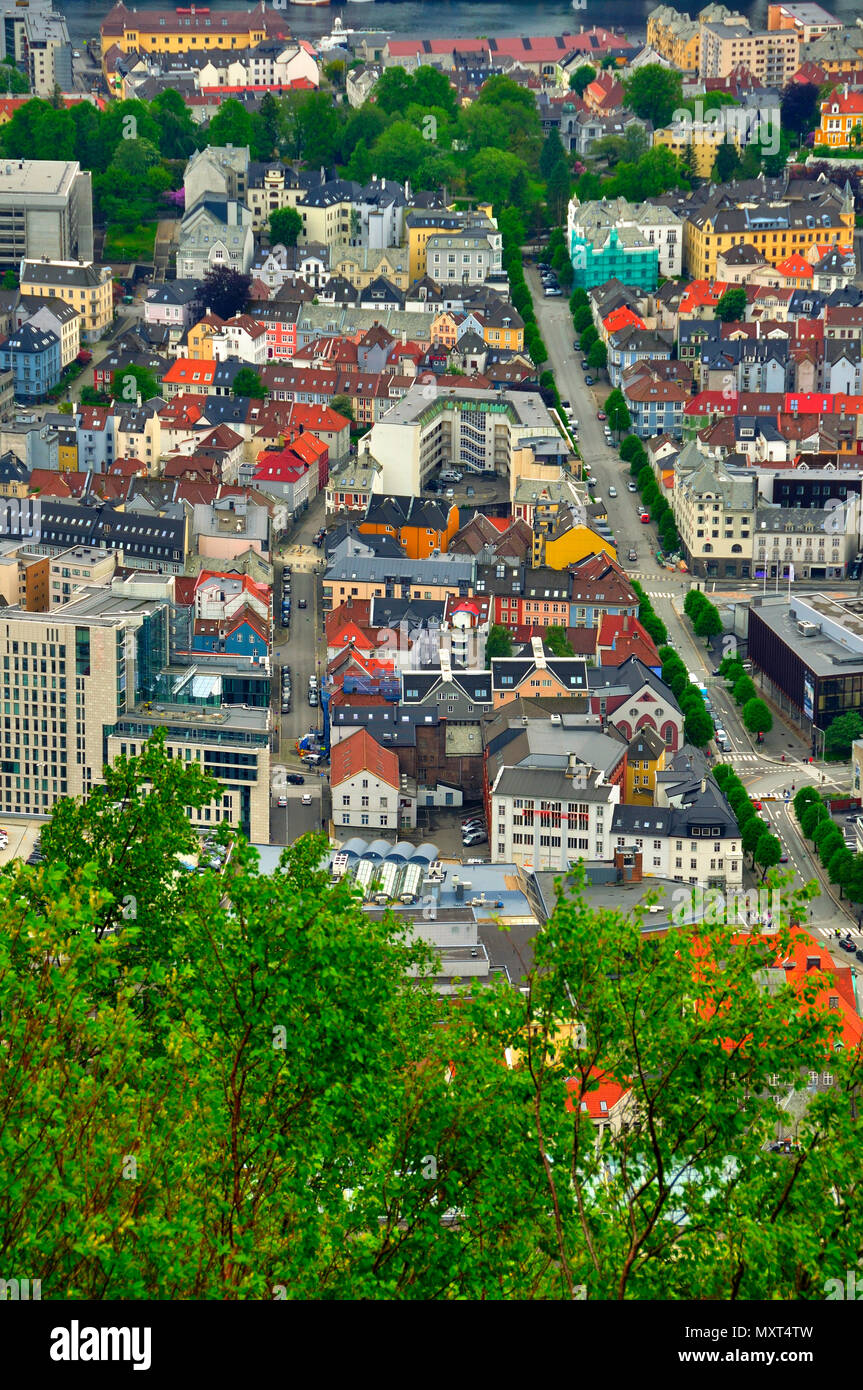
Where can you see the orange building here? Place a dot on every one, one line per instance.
(422, 528)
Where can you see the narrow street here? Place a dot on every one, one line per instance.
(760, 767)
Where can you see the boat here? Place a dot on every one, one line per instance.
(309, 2)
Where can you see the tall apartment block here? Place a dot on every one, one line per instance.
(77, 690)
(46, 210)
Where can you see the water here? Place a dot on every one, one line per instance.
(442, 18)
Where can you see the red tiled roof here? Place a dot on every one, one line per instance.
(360, 753)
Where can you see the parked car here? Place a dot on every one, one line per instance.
(295, 779)
(313, 682)
(601, 415)
(477, 837)
(612, 491)
(567, 405)
(585, 365)
(633, 487)
(553, 292)
(313, 697)
(588, 380)
(471, 491)
(472, 820)
(591, 482)
(644, 518)
(449, 494)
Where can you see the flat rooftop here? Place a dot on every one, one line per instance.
(203, 717)
(48, 178)
(834, 651)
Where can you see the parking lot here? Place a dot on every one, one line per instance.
(22, 837)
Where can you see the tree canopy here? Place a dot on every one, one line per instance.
(197, 1104)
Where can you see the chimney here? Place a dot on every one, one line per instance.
(703, 785)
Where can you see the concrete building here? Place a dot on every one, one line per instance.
(218, 171)
(82, 566)
(714, 511)
(478, 430)
(46, 209)
(807, 654)
(773, 56)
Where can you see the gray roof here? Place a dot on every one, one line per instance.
(445, 569)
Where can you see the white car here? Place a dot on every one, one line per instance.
(612, 491)
(306, 798)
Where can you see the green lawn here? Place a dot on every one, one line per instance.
(137, 245)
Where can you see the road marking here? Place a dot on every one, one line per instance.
(664, 593)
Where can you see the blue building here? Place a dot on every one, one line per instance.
(32, 355)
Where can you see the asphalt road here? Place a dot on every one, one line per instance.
(605, 463)
(298, 646)
(759, 767)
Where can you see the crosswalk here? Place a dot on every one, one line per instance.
(660, 593)
(849, 933)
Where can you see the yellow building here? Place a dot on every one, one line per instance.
(184, 30)
(841, 114)
(704, 140)
(502, 328)
(645, 757)
(199, 339)
(675, 36)
(360, 265)
(67, 450)
(86, 287)
(794, 225)
(423, 223)
(557, 542)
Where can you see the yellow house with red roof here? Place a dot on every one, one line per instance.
(841, 119)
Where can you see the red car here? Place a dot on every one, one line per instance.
(644, 518)
(601, 415)
(756, 806)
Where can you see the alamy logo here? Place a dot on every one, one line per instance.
(851, 1290)
(16, 1290)
(742, 125)
(77, 1343)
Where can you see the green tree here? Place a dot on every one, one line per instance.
(698, 727)
(12, 82)
(9, 280)
(498, 642)
(812, 817)
(732, 305)
(399, 151)
(751, 832)
(224, 291)
(768, 852)
(130, 382)
(632, 447)
(556, 640)
(581, 79)
(587, 338)
(597, 358)
(492, 173)
(619, 418)
(839, 736)
(853, 880)
(806, 796)
(757, 718)
(248, 383)
(727, 162)
(744, 690)
(286, 226)
(708, 623)
(343, 405)
(654, 93)
(232, 124)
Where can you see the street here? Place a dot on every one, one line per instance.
(760, 767)
(302, 647)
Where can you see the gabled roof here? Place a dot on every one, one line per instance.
(360, 753)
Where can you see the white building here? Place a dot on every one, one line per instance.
(368, 790)
(550, 817)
